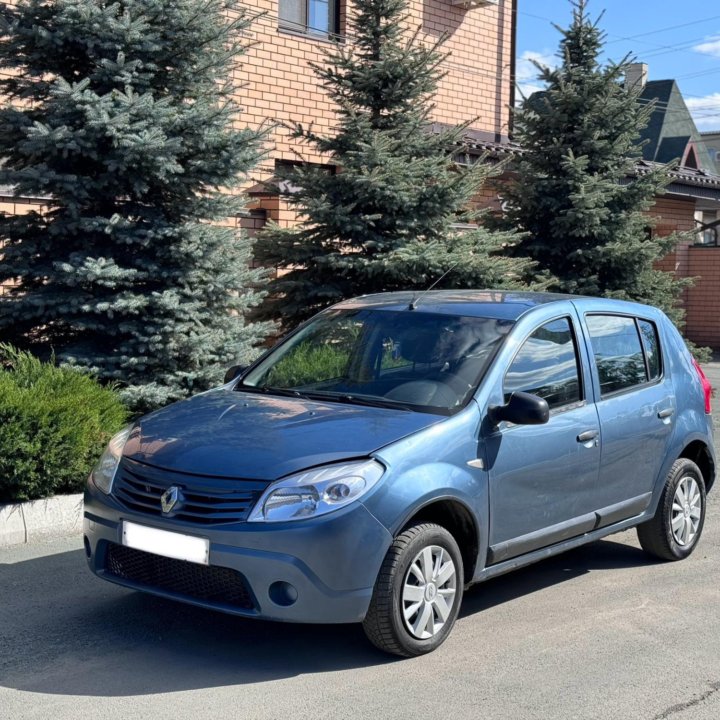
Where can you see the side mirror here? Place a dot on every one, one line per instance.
(234, 371)
(521, 409)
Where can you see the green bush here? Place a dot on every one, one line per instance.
(54, 423)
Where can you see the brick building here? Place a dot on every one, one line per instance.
(276, 82)
(280, 84)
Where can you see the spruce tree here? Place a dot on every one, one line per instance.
(576, 192)
(381, 217)
(121, 114)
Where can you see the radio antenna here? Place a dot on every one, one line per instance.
(416, 300)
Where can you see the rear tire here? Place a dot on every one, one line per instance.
(418, 592)
(674, 531)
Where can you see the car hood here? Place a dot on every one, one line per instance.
(225, 433)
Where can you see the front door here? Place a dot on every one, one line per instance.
(543, 478)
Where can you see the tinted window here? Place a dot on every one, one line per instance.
(618, 353)
(546, 365)
(652, 347)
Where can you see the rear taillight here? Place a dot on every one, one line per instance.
(707, 387)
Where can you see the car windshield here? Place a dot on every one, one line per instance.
(405, 359)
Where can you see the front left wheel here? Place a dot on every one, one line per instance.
(418, 592)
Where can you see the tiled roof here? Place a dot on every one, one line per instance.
(494, 148)
(682, 175)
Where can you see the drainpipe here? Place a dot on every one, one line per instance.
(513, 64)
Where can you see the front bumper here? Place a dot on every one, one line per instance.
(331, 563)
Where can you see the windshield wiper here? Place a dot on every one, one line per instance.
(269, 390)
(347, 398)
(350, 399)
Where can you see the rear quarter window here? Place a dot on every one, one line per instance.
(651, 344)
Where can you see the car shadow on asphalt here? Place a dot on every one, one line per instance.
(600, 555)
(63, 631)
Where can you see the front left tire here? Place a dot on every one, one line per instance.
(418, 592)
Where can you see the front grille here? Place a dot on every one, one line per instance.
(216, 585)
(205, 501)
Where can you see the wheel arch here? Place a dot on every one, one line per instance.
(700, 454)
(457, 518)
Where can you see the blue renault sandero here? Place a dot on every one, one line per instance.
(396, 449)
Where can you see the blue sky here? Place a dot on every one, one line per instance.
(678, 39)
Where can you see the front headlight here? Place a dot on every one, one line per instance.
(104, 472)
(316, 492)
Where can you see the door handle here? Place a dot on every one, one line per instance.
(665, 413)
(587, 436)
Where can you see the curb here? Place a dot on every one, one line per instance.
(37, 520)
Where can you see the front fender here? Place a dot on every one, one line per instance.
(432, 465)
(412, 492)
(425, 485)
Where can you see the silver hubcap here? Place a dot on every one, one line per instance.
(429, 592)
(686, 511)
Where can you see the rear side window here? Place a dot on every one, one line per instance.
(619, 353)
(649, 334)
(547, 365)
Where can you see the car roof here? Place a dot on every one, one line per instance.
(500, 304)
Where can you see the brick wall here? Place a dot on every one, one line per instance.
(477, 84)
(280, 85)
(14, 207)
(675, 215)
(703, 299)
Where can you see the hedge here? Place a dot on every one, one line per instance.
(54, 423)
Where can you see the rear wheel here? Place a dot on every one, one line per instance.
(675, 530)
(418, 592)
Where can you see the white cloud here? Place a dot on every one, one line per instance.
(705, 111)
(526, 74)
(525, 68)
(710, 47)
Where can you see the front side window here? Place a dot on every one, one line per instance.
(618, 352)
(417, 360)
(309, 16)
(547, 366)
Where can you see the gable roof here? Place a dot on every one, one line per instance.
(671, 134)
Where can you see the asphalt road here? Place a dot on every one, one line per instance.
(600, 632)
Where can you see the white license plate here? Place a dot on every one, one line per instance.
(169, 544)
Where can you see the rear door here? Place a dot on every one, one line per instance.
(543, 478)
(636, 405)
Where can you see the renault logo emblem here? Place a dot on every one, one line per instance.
(170, 499)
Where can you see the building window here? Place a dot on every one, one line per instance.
(314, 17)
(706, 224)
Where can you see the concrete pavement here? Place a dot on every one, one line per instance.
(601, 632)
